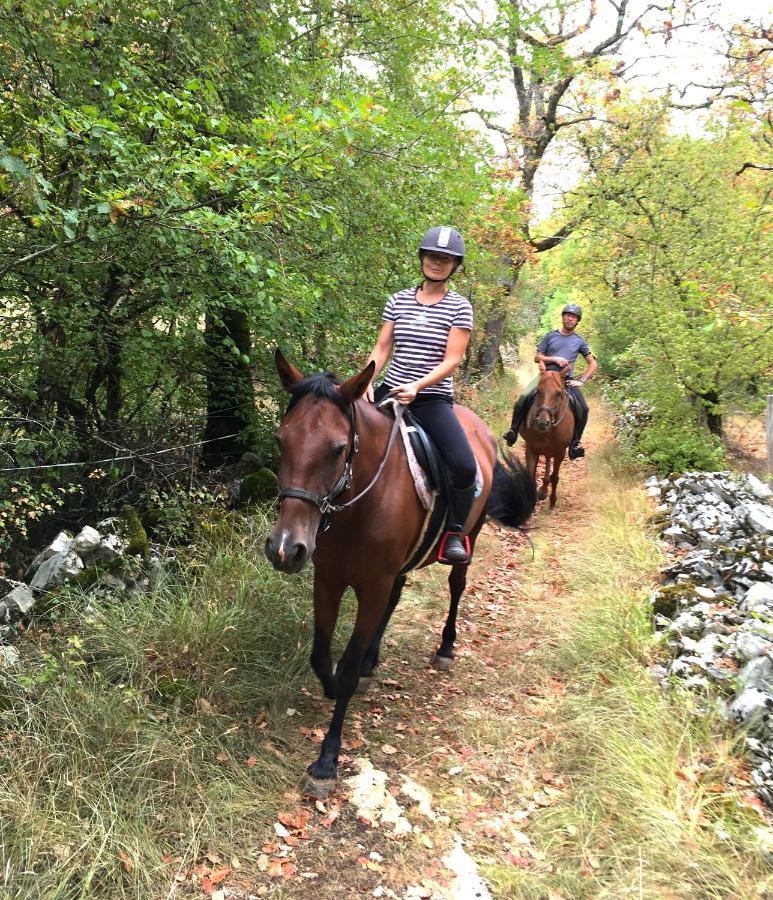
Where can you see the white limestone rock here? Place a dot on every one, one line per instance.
(86, 541)
(56, 570)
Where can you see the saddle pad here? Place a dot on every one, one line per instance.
(420, 480)
(430, 496)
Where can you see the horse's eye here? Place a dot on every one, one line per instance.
(338, 449)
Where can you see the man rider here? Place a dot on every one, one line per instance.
(560, 348)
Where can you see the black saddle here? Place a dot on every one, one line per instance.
(428, 457)
(427, 454)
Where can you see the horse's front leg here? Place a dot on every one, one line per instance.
(371, 603)
(543, 491)
(443, 659)
(371, 658)
(532, 459)
(557, 460)
(327, 600)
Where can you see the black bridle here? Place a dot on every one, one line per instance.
(552, 411)
(325, 503)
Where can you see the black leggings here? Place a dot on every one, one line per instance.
(437, 417)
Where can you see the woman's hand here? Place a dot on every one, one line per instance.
(405, 393)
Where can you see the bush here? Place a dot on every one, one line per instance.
(662, 431)
(678, 447)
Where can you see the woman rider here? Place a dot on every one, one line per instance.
(429, 327)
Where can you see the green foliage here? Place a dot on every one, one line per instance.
(132, 731)
(171, 514)
(136, 534)
(24, 503)
(171, 170)
(675, 444)
(671, 265)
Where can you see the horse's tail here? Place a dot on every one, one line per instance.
(513, 493)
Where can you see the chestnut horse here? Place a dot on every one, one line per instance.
(348, 501)
(548, 428)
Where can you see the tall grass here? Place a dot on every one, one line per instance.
(143, 734)
(654, 806)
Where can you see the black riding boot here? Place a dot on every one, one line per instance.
(453, 549)
(522, 406)
(511, 435)
(580, 421)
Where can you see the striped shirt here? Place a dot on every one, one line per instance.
(421, 336)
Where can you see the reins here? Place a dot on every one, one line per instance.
(550, 410)
(324, 503)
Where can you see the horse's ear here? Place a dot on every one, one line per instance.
(564, 370)
(288, 374)
(542, 367)
(353, 388)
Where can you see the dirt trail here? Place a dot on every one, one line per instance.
(451, 764)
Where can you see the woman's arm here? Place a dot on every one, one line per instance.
(458, 339)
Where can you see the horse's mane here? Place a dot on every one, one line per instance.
(322, 385)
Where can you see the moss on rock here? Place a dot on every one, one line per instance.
(259, 487)
(136, 534)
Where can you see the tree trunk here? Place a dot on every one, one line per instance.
(230, 396)
(488, 359)
(711, 411)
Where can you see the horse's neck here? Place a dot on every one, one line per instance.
(548, 381)
(374, 430)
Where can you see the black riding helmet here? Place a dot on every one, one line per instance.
(443, 239)
(574, 309)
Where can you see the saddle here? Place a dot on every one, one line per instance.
(432, 486)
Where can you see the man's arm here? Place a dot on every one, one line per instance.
(561, 361)
(588, 373)
(592, 366)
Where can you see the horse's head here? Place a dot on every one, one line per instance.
(550, 395)
(316, 442)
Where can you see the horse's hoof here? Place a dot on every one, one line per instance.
(442, 663)
(317, 788)
(364, 685)
(541, 495)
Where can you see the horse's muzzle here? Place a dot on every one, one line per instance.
(542, 425)
(286, 554)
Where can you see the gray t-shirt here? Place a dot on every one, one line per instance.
(567, 345)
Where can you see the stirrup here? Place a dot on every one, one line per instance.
(463, 540)
(576, 452)
(510, 437)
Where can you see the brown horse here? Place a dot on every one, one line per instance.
(348, 500)
(548, 428)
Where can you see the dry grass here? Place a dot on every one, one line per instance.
(126, 740)
(656, 800)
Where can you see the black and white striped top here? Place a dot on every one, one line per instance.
(421, 336)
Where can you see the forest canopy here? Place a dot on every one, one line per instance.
(185, 186)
